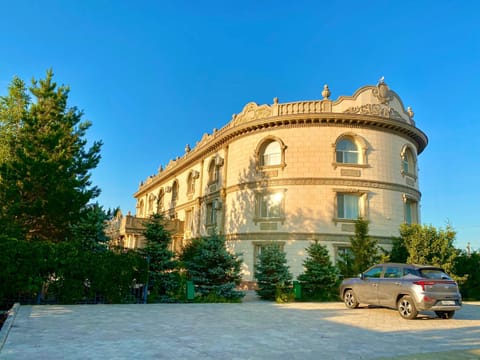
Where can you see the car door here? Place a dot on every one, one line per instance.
(366, 288)
(389, 285)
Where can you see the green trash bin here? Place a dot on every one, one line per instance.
(190, 290)
(297, 290)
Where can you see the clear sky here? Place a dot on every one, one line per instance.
(154, 76)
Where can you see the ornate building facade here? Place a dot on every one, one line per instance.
(293, 173)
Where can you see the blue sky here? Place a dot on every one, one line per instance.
(153, 76)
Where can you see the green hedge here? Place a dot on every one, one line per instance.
(66, 273)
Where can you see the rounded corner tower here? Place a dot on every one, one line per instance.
(294, 173)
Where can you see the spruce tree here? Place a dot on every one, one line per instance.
(214, 270)
(45, 174)
(274, 279)
(162, 278)
(320, 279)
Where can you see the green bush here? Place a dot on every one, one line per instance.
(467, 269)
(25, 268)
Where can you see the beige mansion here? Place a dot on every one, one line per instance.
(293, 173)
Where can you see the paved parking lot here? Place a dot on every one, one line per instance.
(252, 330)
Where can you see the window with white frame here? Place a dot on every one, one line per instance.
(347, 151)
(348, 206)
(270, 205)
(272, 154)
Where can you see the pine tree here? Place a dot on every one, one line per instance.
(13, 108)
(45, 177)
(274, 279)
(162, 278)
(214, 270)
(320, 279)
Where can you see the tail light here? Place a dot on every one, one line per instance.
(424, 283)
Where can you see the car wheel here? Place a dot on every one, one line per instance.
(445, 314)
(406, 308)
(349, 299)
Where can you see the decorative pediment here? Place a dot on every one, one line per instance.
(376, 100)
(252, 111)
(376, 110)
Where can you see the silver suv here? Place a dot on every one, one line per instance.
(408, 288)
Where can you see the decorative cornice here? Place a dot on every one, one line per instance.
(348, 183)
(284, 236)
(228, 134)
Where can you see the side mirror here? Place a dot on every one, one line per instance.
(361, 276)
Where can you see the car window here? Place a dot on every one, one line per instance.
(393, 272)
(434, 274)
(373, 273)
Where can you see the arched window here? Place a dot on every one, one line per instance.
(408, 161)
(190, 183)
(140, 208)
(160, 201)
(347, 151)
(271, 152)
(175, 191)
(151, 202)
(213, 172)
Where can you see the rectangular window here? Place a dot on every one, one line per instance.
(411, 211)
(343, 253)
(347, 157)
(271, 159)
(211, 214)
(188, 221)
(348, 206)
(270, 205)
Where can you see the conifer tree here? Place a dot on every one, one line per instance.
(45, 170)
(364, 251)
(162, 278)
(214, 270)
(320, 278)
(272, 273)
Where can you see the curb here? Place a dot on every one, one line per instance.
(12, 314)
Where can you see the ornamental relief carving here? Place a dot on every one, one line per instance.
(250, 112)
(376, 110)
